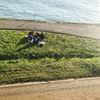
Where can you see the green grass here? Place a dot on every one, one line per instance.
(62, 57)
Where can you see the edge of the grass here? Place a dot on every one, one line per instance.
(48, 82)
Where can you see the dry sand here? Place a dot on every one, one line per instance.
(79, 89)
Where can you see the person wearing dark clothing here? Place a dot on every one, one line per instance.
(30, 37)
(36, 38)
(30, 33)
(41, 36)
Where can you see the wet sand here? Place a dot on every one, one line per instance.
(85, 30)
(79, 89)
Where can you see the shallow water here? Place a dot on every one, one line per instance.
(80, 11)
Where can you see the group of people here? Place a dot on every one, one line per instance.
(35, 38)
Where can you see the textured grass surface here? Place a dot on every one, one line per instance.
(62, 57)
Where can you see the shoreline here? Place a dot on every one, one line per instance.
(83, 30)
(97, 24)
(48, 82)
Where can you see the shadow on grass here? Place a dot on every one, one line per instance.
(8, 57)
(39, 56)
(22, 41)
(59, 56)
(25, 47)
(26, 44)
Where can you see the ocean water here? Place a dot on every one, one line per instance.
(79, 11)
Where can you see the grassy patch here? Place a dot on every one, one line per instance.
(62, 57)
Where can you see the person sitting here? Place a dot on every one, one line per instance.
(30, 37)
(41, 42)
(36, 37)
(41, 36)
